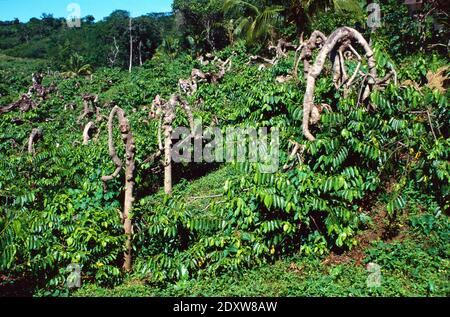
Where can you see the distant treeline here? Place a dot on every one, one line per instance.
(197, 26)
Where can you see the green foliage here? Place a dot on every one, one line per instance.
(55, 212)
(93, 43)
(317, 206)
(415, 266)
(258, 25)
(199, 20)
(15, 76)
(407, 33)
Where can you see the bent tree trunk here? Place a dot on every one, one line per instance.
(130, 150)
(306, 49)
(35, 134)
(26, 101)
(87, 132)
(166, 112)
(341, 36)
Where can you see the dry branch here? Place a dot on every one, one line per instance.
(36, 134)
(130, 150)
(296, 153)
(284, 79)
(165, 111)
(282, 48)
(317, 112)
(114, 53)
(266, 62)
(87, 132)
(190, 86)
(335, 47)
(26, 101)
(89, 102)
(206, 59)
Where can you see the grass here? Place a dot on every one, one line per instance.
(15, 74)
(27, 64)
(200, 193)
(301, 277)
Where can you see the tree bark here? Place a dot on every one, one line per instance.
(166, 112)
(86, 132)
(167, 158)
(331, 47)
(130, 150)
(306, 49)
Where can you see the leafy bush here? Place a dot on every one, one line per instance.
(55, 211)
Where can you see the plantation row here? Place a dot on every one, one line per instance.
(359, 125)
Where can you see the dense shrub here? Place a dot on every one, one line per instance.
(55, 211)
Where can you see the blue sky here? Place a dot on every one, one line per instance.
(26, 9)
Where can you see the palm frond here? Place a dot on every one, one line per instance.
(349, 6)
(242, 25)
(266, 19)
(230, 5)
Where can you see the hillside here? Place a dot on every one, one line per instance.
(360, 190)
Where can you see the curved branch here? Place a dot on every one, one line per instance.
(331, 47)
(130, 149)
(86, 132)
(88, 100)
(36, 133)
(358, 67)
(111, 147)
(306, 49)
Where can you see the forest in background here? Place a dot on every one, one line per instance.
(373, 188)
(204, 26)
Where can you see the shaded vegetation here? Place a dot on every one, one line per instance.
(373, 187)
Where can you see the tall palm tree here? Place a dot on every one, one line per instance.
(258, 23)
